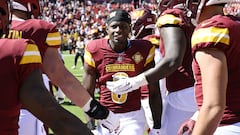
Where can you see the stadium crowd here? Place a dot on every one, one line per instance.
(82, 19)
(161, 66)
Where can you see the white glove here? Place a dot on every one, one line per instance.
(154, 132)
(126, 85)
(112, 122)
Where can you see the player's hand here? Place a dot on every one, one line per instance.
(122, 86)
(112, 122)
(91, 124)
(154, 132)
(126, 85)
(186, 126)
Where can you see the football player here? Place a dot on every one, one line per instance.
(143, 27)
(115, 57)
(175, 27)
(47, 38)
(22, 84)
(215, 49)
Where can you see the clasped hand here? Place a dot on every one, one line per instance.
(187, 127)
(122, 86)
(112, 123)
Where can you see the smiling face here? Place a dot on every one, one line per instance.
(118, 32)
(4, 17)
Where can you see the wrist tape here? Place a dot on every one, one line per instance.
(95, 109)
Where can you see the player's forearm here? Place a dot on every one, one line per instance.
(155, 102)
(208, 120)
(67, 124)
(161, 70)
(72, 87)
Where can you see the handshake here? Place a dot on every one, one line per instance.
(105, 117)
(121, 84)
(126, 85)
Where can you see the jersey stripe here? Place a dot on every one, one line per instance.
(155, 41)
(211, 34)
(53, 39)
(88, 59)
(31, 55)
(168, 19)
(150, 57)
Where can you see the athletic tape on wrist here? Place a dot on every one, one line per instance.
(97, 111)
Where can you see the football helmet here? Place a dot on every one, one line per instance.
(142, 20)
(5, 17)
(165, 4)
(196, 6)
(32, 7)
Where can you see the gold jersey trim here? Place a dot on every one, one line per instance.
(211, 34)
(155, 41)
(53, 39)
(31, 55)
(168, 19)
(88, 59)
(150, 56)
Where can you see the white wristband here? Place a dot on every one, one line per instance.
(86, 107)
(195, 115)
(141, 79)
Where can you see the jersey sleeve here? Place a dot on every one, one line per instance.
(53, 37)
(211, 36)
(170, 17)
(88, 58)
(30, 60)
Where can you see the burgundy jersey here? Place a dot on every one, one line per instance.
(183, 76)
(110, 66)
(154, 39)
(44, 34)
(221, 32)
(18, 58)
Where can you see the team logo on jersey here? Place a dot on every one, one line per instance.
(137, 57)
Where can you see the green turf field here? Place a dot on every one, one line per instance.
(69, 61)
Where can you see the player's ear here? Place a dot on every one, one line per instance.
(107, 30)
